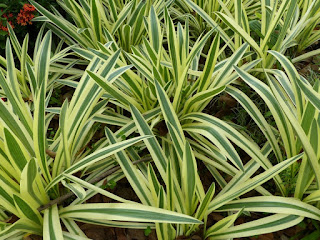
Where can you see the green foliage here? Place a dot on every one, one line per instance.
(144, 74)
(38, 164)
(147, 231)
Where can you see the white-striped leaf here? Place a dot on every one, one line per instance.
(264, 225)
(125, 212)
(51, 225)
(273, 204)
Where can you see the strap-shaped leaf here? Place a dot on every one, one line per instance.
(24, 58)
(16, 152)
(197, 100)
(63, 156)
(220, 140)
(264, 225)
(125, 212)
(39, 128)
(303, 181)
(170, 116)
(118, 224)
(121, 17)
(294, 78)
(131, 78)
(96, 19)
(273, 204)
(306, 55)
(155, 34)
(26, 211)
(204, 204)
(79, 14)
(210, 154)
(151, 143)
(31, 186)
(10, 86)
(220, 79)
(12, 71)
(205, 78)
(249, 169)
(310, 94)
(51, 225)
(154, 184)
(274, 19)
(189, 175)
(162, 229)
(6, 197)
(313, 197)
(42, 60)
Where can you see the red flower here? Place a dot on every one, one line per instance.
(26, 14)
(28, 8)
(3, 25)
(3, 28)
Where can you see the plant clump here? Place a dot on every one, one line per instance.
(163, 119)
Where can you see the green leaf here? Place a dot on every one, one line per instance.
(26, 211)
(126, 212)
(96, 19)
(16, 152)
(273, 204)
(147, 231)
(51, 224)
(264, 225)
(31, 186)
(188, 176)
